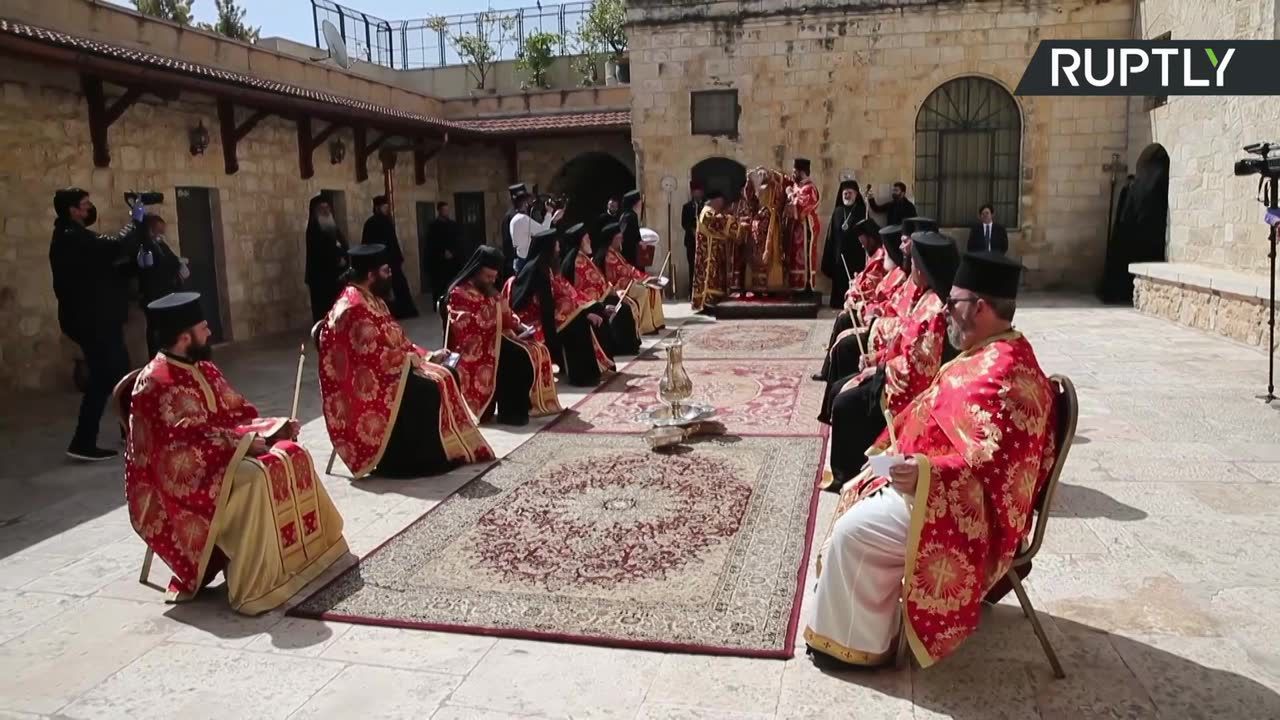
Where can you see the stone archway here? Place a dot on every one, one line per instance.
(1141, 225)
(721, 173)
(589, 180)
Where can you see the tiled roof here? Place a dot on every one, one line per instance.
(494, 126)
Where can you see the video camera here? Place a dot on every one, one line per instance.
(1265, 165)
(132, 198)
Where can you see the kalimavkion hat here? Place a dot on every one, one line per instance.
(367, 258)
(631, 197)
(174, 313)
(868, 226)
(989, 273)
(937, 257)
(575, 232)
(913, 225)
(517, 189)
(610, 230)
(802, 164)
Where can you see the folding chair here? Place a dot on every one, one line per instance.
(1067, 408)
(122, 400)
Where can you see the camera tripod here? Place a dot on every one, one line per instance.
(1273, 184)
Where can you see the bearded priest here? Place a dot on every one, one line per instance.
(502, 367)
(860, 290)
(973, 451)
(390, 408)
(211, 486)
(581, 267)
(631, 279)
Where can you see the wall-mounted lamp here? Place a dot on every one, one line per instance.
(198, 137)
(337, 151)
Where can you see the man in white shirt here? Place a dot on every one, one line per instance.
(524, 227)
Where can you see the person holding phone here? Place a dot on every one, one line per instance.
(502, 369)
(390, 406)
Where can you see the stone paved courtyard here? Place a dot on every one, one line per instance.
(1158, 583)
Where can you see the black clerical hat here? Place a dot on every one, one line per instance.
(174, 313)
(610, 230)
(714, 194)
(913, 225)
(867, 226)
(631, 198)
(989, 273)
(367, 258)
(802, 164)
(849, 184)
(937, 257)
(891, 237)
(575, 232)
(517, 189)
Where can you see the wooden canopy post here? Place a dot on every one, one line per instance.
(232, 133)
(102, 117)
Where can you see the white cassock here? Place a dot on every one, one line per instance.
(855, 616)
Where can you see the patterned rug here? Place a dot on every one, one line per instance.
(596, 539)
(752, 339)
(752, 397)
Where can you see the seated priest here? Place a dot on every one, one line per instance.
(561, 316)
(389, 407)
(211, 486)
(856, 406)
(894, 297)
(716, 230)
(630, 279)
(581, 268)
(941, 530)
(860, 290)
(501, 368)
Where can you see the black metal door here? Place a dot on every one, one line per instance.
(469, 207)
(196, 236)
(426, 212)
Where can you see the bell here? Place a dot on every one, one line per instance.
(675, 386)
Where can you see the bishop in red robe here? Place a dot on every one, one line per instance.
(631, 280)
(934, 536)
(583, 265)
(211, 486)
(562, 317)
(502, 368)
(390, 407)
(804, 227)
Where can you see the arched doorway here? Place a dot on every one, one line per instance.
(721, 173)
(1142, 215)
(589, 180)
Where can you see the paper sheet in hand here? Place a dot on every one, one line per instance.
(880, 464)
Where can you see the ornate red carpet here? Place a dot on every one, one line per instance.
(752, 397)
(585, 535)
(596, 539)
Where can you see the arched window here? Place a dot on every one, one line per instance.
(968, 141)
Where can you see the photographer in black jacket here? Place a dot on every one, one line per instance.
(90, 280)
(160, 270)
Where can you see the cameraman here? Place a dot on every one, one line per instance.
(90, 274)
(523, 227)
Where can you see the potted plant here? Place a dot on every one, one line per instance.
(537, 55)
(605, 24)
(588, 59)
(480, 50)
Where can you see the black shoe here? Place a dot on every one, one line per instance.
(516, 421)
(90, 454)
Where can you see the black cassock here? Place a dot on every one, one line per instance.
(842, 240)
(381, 230)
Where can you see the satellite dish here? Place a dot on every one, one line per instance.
(337, 46)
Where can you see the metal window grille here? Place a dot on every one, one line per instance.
(416, 44)
(713, 112)
(968, 145)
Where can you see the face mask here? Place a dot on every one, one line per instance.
(92, 217)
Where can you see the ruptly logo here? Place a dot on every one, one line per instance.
(1153, 67)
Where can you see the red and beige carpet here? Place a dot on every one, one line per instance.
(583, 534)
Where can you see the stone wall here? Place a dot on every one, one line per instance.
(44, 145)
(1214, 217)
(841, 83)
(1240, 318)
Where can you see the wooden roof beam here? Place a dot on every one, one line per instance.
(232, 133)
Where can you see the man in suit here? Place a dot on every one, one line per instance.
(689, 220)
(987, 234)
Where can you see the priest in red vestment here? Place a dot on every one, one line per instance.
(581, 267)
(803, 227)
(631, 280)
(973, 451)
(562, 317)
(501, 369)
(855, 406)
(390, 408)
(211, 486)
